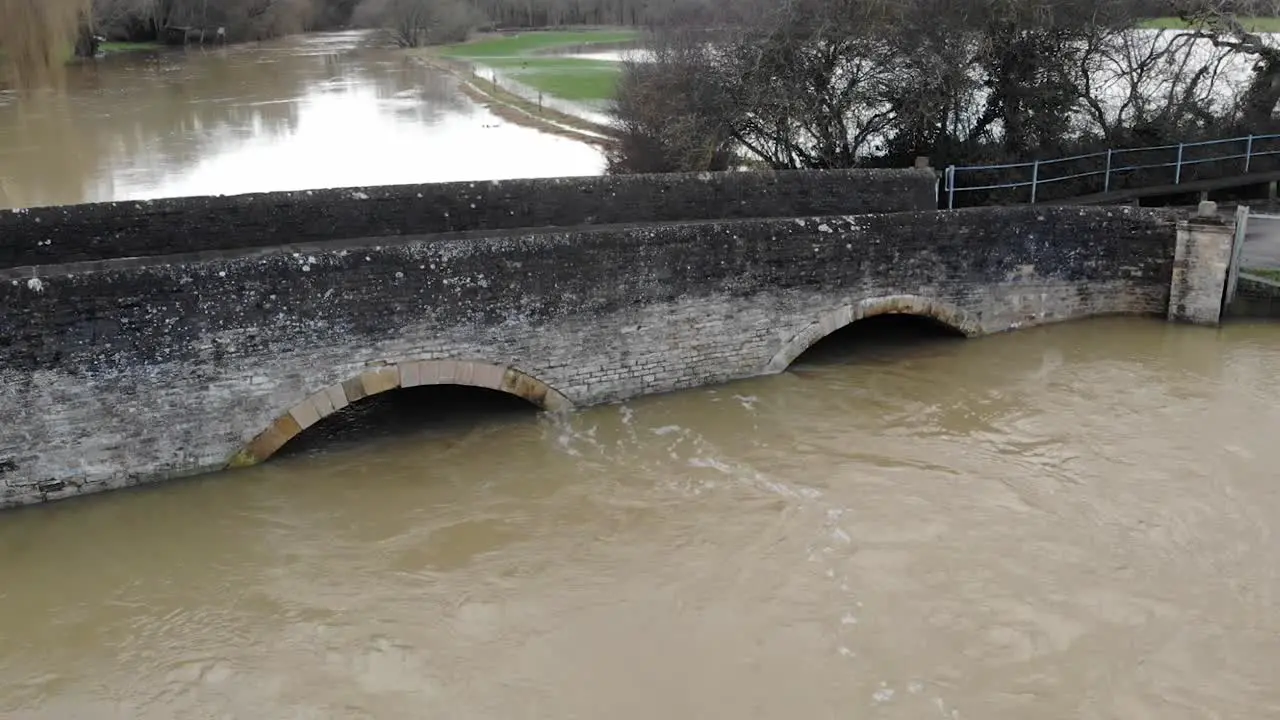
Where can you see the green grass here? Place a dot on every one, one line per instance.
(1266, 274)
(582, 84)
(564, 77)
(1257, 24)
(123, 47)
(567, 78)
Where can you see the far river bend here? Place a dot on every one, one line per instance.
(1078, 521)
(326, 110)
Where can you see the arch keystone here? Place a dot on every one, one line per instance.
(410, 374)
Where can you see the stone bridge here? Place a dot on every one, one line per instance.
(141, 341)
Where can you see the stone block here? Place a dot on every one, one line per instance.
(488, 376)
(305, 414)
(322, 403)
(464, 373)
(380, 380)
(410, 374)
(446, 371)
(265, 445)
(354, 389)
(337, 397)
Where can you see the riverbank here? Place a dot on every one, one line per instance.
(530, 59)
(516, 109)
(116, 48)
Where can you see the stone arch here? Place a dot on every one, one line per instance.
(832, 320)
(333, 398)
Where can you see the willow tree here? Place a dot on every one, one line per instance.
(36, 37)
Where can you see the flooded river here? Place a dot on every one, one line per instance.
(315, 111)
(1071, 522)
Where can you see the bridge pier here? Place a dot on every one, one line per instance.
(1201, 264)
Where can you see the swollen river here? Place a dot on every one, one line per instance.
(313, 111)
(1070, 522)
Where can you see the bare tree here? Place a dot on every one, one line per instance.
(414, 23)
(1140, 86)
(836, 83)
(670, 115)
(1219, 22)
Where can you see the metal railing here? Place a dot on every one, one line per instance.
(1172, 165)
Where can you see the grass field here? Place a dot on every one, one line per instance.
(564, 77)
(110, 48)
(1257, 24)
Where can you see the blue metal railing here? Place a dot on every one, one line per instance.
(1108, 168)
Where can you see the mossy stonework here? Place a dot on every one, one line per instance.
(163, 359)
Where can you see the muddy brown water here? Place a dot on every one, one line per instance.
(1078, 521)
(327, 110)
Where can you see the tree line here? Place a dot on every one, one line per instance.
(844, 83)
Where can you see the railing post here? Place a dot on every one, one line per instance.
(1106, 176)
(1248, 153)
(1035, 178)
(951, 187)
(1177, 170)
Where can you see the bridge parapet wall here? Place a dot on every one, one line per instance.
(125, 371)
(97, 231)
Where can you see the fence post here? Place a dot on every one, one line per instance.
(1035, 178)
(951, 187)
(1248, 153)
(1106, 176)
(1177, 170)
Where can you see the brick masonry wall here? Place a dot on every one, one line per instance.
(133, 370)
(74, 233)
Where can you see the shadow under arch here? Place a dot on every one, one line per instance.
(833, 320)
(328, 400)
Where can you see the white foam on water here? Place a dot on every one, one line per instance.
(942, 710)
(713, 463)
(687, 448)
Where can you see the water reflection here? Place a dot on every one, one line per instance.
(316, 111)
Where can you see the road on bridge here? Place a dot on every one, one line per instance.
(1262, 243)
